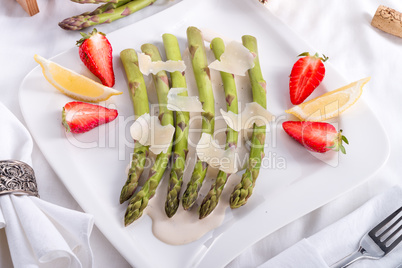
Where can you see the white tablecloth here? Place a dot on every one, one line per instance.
(338, 28)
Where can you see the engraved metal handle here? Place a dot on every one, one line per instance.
(17, 177)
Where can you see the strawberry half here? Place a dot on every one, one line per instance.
(316, 136)
(307, 73)
(80, 117)
(96, 53)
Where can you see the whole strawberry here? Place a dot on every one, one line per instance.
(80, 117)
(307, 73)
(316, 136)
(96, 53)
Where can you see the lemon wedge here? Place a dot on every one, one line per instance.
(330, 104)
(72, 84)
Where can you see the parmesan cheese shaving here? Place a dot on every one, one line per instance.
(148, 131)
(148, 66)
(208, 35)
(252, 113)
(210, 152)
(183, 103)
(236, 59)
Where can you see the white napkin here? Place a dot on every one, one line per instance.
(39, 234)
(342, 238)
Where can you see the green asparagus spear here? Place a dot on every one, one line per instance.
(94, 1)
(87, 19)
(203, 80)
(244, 189)
(106, 7)
(212, 198)
(172, 50)
(138, 93)
(140, 200)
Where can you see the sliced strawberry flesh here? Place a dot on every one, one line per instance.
(81, 117)
(96, 53)
(318, 136)
(307, 73)
(315, 136)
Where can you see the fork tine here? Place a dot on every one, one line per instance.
(390, 228)
(384, 222)
(393, 234)
(376, 238)
(396, 242)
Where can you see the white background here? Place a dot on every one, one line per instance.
(339, 29)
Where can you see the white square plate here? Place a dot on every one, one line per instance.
(95, 175)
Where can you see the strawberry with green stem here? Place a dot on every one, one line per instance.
(316, 136)
(96, 53)
(306, 75)
(80, 117)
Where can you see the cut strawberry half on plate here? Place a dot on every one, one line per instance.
(307, 73)
(316, 136)
(80, 117)
(96, 53)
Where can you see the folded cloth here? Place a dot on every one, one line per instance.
(39, 234)
(342, 238)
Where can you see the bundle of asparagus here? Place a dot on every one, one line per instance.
(138, 92)
(110, 11)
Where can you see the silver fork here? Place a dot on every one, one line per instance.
(374, 245)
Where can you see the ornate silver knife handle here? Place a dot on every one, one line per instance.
(17, 177)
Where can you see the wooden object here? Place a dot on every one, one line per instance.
(388, 20)
(30, 6)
